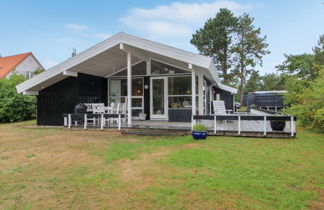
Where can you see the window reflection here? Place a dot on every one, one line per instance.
(161, 68)
(179, 92)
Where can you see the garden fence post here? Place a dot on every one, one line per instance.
(192, 122)
(215, 125)
(85, 122)
(65, 121)
(69, 121)
(292, 125)
(119, 123)
(239, 125)
(265, 125)
(102, 121)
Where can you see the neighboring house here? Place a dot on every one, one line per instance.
(23, 64)
(164, 82)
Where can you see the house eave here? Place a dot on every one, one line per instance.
(59, 71)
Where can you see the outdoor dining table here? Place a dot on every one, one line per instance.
(109, 109)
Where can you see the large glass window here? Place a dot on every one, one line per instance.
(158, 68)
(138, 69)
(137, 87)
(114, 90)
(158, 94)
(179, 102)
(118, 93)
(179, 92)
(179, 86)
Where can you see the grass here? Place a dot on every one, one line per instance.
(54, 168)
(242, 109)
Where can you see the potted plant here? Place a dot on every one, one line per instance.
(199, 132)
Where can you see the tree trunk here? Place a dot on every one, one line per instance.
(241, 91)
(242, 68)
(225, 76)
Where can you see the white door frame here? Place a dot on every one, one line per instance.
(160, 116)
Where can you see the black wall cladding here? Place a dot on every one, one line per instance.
(61, 97)
(225, 96)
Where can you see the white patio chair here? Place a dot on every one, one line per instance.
(123, 110)
(95, 108)
(114, 109)
(219, 108)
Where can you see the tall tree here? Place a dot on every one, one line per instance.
(254, 82)
(249, 49)
(305, 66)
(305, 85)
(215, 40)
(319, 51)
(273, 81)
(302, 66)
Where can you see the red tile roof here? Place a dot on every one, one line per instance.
(8, 63)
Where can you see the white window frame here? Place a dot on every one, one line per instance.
(189, 95)
(125, 97)
(164, 116)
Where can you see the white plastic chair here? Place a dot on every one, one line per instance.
(123, 111)
(219, 108)
(95, 108)
(114, 109)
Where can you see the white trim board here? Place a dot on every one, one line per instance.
(135, 42)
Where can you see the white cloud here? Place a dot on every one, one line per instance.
(102, 35)
(76, 27)
(50, 63)
(177, 19)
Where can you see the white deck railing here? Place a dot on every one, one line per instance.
(245, 123)
(98, 120)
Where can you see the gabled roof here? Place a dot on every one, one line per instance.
(8, 63)
(55, 73)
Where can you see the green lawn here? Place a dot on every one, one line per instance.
(64, 169)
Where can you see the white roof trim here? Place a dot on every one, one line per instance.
(164, 50)
(213, 71)
(70, 73)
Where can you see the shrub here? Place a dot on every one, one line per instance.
(307, 101)
(13, 106)
(200, 128)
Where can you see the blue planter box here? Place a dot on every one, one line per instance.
(199, 135)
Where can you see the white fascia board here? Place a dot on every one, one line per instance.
(213, 71)
(30, 93)
(79, 58)
(70, 73)
(135, 53)
(188, 57)
(165, 50)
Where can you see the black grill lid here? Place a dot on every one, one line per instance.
(80, 108)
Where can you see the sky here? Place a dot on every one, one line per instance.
(51, 29)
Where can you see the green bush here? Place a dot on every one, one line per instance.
(307, 101)
(13, 106)
(200, 128)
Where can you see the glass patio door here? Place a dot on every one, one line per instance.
(159, 98)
